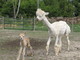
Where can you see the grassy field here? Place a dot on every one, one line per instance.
(9, 46)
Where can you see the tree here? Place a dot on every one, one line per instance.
(76, 4)
(59, 7)
(15, 8)
(28, 8)
(52, 6)
(6, 8)
(66, 8)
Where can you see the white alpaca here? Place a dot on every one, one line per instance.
(58, 29)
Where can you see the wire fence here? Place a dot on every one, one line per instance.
(34, 24)
(18, 23)
(21, 24)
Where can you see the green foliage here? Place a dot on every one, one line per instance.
(76, 4)
(28, 8)
(65, 8)
(59, 8)
(52, 6)
(6, 9)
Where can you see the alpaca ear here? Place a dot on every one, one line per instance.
(47, 13)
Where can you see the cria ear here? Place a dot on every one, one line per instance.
(46, 13)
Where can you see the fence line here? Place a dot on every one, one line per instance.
(33, 24)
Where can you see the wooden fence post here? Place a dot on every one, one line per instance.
(34, 24)
(3, 23)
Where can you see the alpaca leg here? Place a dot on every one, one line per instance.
(48, 43)
(24, 53)
(68, 42)
(19, 53)
(57, 46)
(29, 45)
(57, 40)
(57, 49)
(60, 44)
(31, 50)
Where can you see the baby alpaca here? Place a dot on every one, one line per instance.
(24, 43)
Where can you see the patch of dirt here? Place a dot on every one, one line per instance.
(40, 51)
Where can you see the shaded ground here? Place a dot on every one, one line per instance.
(9, 46)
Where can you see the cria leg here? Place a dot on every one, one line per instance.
(19, 53)
(30, 49)
(24, 53)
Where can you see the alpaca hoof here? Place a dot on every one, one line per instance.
(57, 49)
(56, 55)
(30, 54)
(46, 53)
(47, 50)
(60, 50)
(68, 49)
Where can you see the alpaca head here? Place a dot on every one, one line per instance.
(21, 35)
(41, 14)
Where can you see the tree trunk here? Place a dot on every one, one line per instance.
(16, 10)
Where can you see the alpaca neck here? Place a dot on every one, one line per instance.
(48, 24)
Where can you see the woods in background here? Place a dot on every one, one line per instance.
(27, 8)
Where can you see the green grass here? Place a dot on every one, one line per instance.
(42, 27)
(76, 27)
